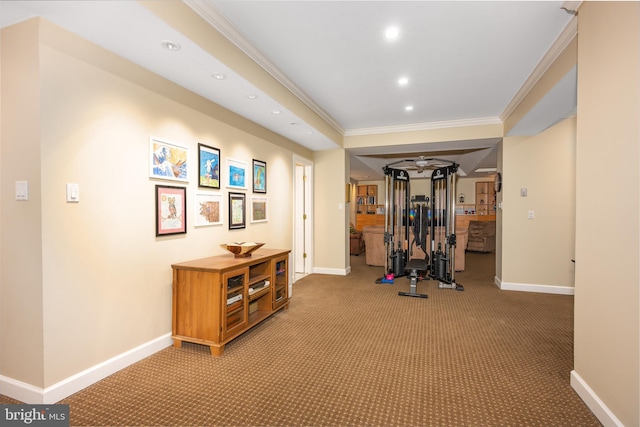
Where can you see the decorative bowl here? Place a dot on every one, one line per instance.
(241, 249)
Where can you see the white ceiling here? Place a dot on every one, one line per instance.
(465, 61)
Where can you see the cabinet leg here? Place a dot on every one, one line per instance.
(217, 351)
(177, 343)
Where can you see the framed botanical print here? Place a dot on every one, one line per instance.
(237, 173)
(259, 176)
(167, 160)
(258, 209)
(171, 210)
(237, 210)
(208, 209)
(208, 166)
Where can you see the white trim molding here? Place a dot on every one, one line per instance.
(528, 287)
(30, 394)
(332, 271)
(20, 391)
(593, 402)
(415, 127)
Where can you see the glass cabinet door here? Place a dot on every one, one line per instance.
(281, 282)
(235, 316)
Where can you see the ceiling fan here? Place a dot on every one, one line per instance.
(421, 163)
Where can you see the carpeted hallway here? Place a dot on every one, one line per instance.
(350, 352)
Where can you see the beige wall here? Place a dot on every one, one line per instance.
(607, 318)
(331, 212)
(21, 316)
(539, 251)
(96, 282)
(499, 199)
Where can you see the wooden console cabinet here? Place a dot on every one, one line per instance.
(216, 299)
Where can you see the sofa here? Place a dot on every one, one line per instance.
(461, 245)
(482, 236)
(375, 251)
(356, 242)
(462, 238)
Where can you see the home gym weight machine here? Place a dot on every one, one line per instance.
(435, 220)
(443, 227)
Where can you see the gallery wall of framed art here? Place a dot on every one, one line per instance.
(169, 161)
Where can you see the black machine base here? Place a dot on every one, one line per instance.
(411, 294)
(413, 267)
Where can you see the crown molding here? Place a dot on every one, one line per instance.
(561, 43)
(482, 121)
(571, 6)
(213, 16)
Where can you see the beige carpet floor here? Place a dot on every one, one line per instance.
(350, 352)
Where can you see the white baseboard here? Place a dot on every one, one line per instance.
(28, 393)
(331, 271)
(591, 399)
(20, 391)
(527, 287)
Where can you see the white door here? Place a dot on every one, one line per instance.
(299, 220)
(302, 218)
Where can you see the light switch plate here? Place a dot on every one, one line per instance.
(22, 190)
(73, 192)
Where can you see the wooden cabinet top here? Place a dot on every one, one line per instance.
(229, 261)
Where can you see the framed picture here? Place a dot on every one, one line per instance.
(171, 210)
(259, 176)
(167, 160)
(208, 209)
(237, 210)
(208, 166)
(237, 173)
(258, 209)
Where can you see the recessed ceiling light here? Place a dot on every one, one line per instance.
(219, 76)
(408, 108)
(294, 123)
(309, 132)
(403, 81)
(392, 33)
(252, 96)
(169, 45)
(276, 112)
